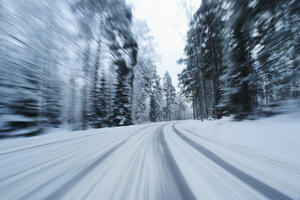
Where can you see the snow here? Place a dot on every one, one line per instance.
(154, 161)
(266, 149)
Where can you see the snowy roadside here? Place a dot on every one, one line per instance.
(266, 149)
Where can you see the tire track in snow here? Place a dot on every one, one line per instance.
(261, 158)
(58, 161)
(256, 184)
(135, 172)
(48, 144)
(172, 167)
(67, 186)
(80, 137)
(31, 167)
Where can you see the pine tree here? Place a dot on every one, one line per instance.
(23, 109)
(201, 80)
(102, 100)
(169, 94)
(53, 96)
(144, 73)
(156, 100)
(122, 105)
(140, 97)
(123, 49)
(242, 91)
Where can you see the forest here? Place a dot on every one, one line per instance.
(149, 99)
(242, 58)
(79, 64)
(82, 64)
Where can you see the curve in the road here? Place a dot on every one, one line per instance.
(258, 185)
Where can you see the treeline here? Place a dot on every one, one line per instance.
(78, 64)
(154, 98)
(241, 57)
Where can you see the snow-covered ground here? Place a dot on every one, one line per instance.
(172, 160)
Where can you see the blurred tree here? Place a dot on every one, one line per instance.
(169, 94)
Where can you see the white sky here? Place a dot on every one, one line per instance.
(169, 24)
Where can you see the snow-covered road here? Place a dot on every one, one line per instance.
(162, 161)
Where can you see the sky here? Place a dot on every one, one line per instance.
(168, 21)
